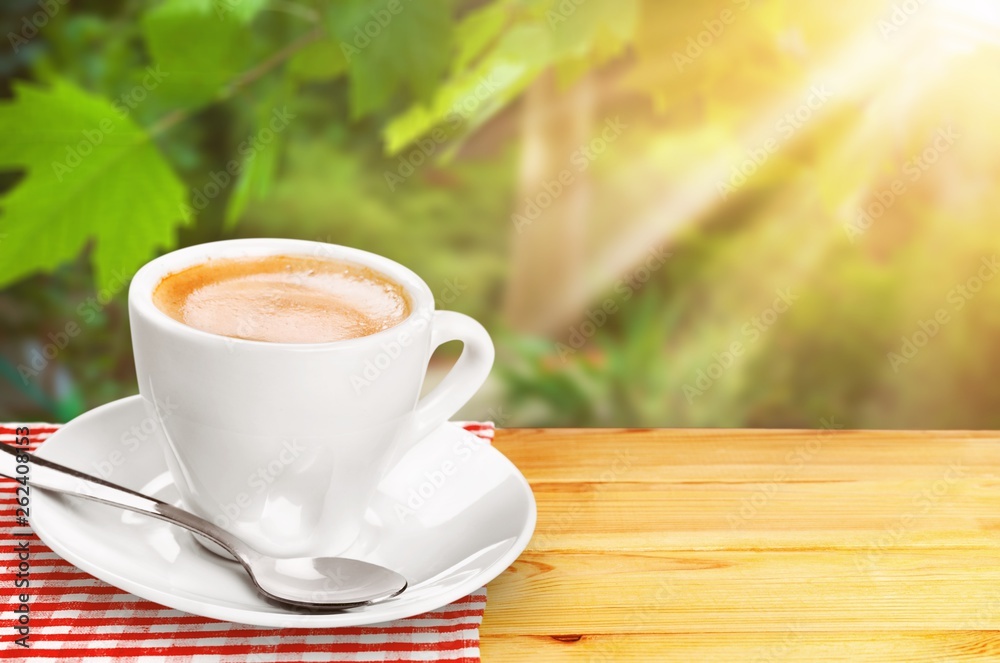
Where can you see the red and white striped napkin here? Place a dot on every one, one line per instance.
(76, 617)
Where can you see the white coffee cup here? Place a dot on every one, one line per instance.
(283, 444)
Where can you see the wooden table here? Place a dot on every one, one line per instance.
(736, 545)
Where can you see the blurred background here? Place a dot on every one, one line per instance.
(757, 213)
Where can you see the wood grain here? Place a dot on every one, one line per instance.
(753, 545)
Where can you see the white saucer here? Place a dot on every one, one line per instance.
(450, 516)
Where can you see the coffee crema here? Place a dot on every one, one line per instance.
(283, 299)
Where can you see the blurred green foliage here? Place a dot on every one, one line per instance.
(131, 128)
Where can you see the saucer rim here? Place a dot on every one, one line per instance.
(361, 616)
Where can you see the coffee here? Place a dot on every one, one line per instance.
(283, 299)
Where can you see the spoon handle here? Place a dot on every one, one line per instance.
(47, 475)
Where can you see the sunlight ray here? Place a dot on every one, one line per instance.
(850, 78)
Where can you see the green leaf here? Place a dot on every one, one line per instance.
(319, 61)
(477, 31)
(573, 36)
(471, 97)
(259, 167)
(199, 50)
(398, 44)
(92, 174)
(254, 182)
(598, 28)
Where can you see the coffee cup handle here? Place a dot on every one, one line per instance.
(466, 376)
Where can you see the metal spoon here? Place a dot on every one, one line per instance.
(312, 582)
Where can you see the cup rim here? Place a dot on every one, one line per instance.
(145, 280)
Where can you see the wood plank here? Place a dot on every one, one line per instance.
(637, 455)
(852, 515)
(787, 647)
(737, 591)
